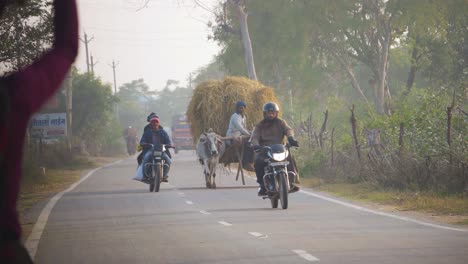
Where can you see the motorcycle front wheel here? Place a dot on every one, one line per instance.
(283, 190)
(151, 185)
(157, 174)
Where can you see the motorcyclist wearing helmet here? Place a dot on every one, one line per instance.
(148, 119)
(237, 123)
(148, 127)
(271, 130)
(156, 136)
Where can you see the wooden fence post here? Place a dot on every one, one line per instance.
(353, 126)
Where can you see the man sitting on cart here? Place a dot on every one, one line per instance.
(237, 122)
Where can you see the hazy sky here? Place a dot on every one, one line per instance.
(166, 40)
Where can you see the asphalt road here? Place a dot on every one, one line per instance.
(109, 218)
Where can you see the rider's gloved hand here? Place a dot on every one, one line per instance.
(257, 147)
(293, 142)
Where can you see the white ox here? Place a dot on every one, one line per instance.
(210, 148)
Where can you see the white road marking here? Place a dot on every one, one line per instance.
(182, 194)
(303, 254)
(259, 235)
(188, 202)
(33, 240)
(225, 223)
(204, 212)
(407, 219)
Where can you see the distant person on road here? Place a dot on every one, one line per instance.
(22, 93)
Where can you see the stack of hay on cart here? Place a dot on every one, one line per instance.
(213, 102)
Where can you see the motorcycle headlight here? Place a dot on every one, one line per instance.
(280, 156)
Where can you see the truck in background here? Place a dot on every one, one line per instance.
(180, 133)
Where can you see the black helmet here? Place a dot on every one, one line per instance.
(151, 116)
(270, 106)
(241, 103)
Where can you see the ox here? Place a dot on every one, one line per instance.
(210, 148)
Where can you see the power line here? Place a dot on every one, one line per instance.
(202, 5)
(145, 5)
(93, 64)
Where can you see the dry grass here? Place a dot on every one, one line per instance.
(55, 181)
(448, 209)
(213, 103)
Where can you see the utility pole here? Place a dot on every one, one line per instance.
(69, 100)
(116, 107)
(114, 65)
(86, 42)
(93, 64)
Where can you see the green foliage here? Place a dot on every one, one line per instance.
(133, 105)
(25, 33)
(307, 47)
(423, 115)
(113, 143)
(92, 109)
(310, 163)
(424, 161)
(137, 101)
(173, 99)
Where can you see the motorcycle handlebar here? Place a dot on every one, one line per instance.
(152, 145)
(265, 148)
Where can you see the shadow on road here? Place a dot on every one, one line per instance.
(242, 209)
(217, 188)
(113, 192)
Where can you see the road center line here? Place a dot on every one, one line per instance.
(258, 235)
(204, 212)
(225, 223)
(255, 234)
(407, 219)
(188, 202)
(303, 254)
(33, 240)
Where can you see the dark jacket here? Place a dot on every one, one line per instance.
(269, 132)
(157, 138)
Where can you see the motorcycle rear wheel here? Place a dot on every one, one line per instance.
(283, 190)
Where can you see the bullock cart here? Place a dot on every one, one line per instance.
(213, 103)
(238, 151)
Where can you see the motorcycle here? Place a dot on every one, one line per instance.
(155, 168)
(276, 178)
